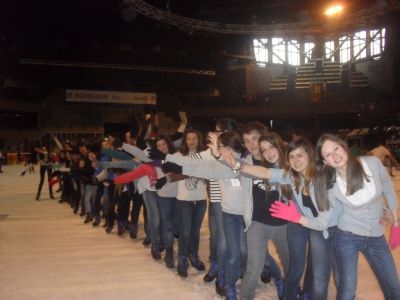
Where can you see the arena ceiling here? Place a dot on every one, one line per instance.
(76, 42)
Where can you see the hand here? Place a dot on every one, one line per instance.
(161, 182)
(213, 144)
(183, 116)
(387, 218)
(394, 238)
(282, 211)
(156, 154)
(170, 167)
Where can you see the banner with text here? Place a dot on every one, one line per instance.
(110, 97)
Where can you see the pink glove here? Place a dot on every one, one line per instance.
(394, 239)
(142, 170)
(282, 211)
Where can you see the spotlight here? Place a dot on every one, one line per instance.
(333, 10)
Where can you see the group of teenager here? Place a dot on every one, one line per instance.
(320, 206)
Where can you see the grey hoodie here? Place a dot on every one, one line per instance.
(236, 189)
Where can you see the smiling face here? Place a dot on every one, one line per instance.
(251, 143)
(334, 155)
(162, 146)
(269, 152)
(299, 160)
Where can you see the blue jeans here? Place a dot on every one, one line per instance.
(191, 217)
(235, 261)
(90, 195)
(217, 236)
(298, 239)
(376, 251)
(151, 199)
(167, 210)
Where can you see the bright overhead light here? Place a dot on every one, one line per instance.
(334, 10)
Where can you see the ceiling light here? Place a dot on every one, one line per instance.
(334, 10)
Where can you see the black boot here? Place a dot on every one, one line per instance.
(146, 241)
(155, 253)
(220, 284)
(197, 263)
(109, 228)
(265, 277)
(88, 219)
(121, 229)
(133, 229)
(183, 266)
(169, 258)
(96, 221)
(212, 272)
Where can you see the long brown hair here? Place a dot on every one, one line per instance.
(184, 147)
(327, 175)
(275, 140)
(310, 172)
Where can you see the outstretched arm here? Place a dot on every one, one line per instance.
(57, 141)
(139, 172)
(256, 171)
(136, 152)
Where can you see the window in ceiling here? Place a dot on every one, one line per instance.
(330, 50)
(308, 49)
(360, 44)
(281, 51)
(260, 47)
(293, 53)
(377, 44)
(278, 50)
(345, 48)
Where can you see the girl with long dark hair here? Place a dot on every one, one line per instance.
(301, 174)
(359, 184)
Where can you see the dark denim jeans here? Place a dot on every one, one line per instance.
(167, 209)
(321, 251)
(376, 251)
(43, 170)
(137, 204)
(191, 217)
(235, 261)
(97, 200)
(217, 236)
(151, 199)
